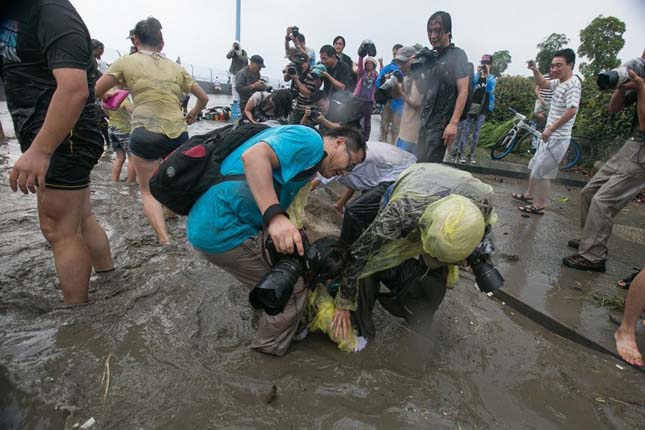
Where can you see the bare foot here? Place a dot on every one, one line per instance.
(627, 347)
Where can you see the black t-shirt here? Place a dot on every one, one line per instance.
(342, 74)
(354, 76)
(439, 83)
(37, 37)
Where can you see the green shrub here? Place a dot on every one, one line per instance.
(513, 91)
(491, 132)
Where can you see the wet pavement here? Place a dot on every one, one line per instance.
(164, 341)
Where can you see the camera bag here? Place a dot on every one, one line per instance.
(191, 169)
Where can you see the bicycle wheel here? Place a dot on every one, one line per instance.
(571, 157)
(504, 146)
(525, 145)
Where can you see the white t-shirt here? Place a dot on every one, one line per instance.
(383, 163)
(566, 95)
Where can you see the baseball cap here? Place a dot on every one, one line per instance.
(487, 59)
(405, 53)
(257, 60)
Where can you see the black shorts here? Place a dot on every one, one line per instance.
(71, 164)
(153, 146)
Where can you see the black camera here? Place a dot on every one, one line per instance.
(323, 260)
(487, 276)
(315, 112)
(384, 92)
(295, 31)
(367, 47)
(612, 79)
(292, 69)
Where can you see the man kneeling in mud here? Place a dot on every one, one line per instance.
(434, 217)
(226, 223)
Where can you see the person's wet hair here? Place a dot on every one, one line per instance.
(334, 256)
(443, 18)
(337, 38)
(148, 31)
(328, 50)
(354, 138)
(397, 47)
(318, 96)
(96, 44)
(568, 55)
(281, 100)
(301, 38)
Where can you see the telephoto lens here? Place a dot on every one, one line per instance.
(273, 291)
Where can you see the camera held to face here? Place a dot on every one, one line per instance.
(612, 79)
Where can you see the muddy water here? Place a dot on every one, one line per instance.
(163, 344)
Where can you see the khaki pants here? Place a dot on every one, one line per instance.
(610, 190)
(390, 123)
(246, 262)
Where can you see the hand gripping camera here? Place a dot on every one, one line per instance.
(323, 260)
(612, 79)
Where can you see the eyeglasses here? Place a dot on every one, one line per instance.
(351, 164)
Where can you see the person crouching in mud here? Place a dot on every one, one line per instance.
(434, 218)
(228, 223)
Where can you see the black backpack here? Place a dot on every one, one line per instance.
(190, 170)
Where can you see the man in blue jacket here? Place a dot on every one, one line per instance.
(483, 102)
(393, 109)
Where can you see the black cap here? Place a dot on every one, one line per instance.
(257, 60)
(131, 35)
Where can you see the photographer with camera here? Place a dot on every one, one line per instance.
(298, 39)
(303, 85)
(437, 212)
(483, 102)
(229, 222)
(338, 76)
(365, 88)
(545, 164)
(247, 80)
(266, 106)
(409, 91)
(393, 107)
(239, 60)
(343, 109)
(618, 180)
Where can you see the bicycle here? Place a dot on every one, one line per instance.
(525, 134)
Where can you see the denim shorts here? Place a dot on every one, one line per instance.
(153, 146)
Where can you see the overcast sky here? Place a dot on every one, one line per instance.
(202, 31)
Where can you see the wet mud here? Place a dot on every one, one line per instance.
(164, 344)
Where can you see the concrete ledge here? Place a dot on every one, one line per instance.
(518, 171)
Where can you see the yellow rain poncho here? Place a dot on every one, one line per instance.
(435, 210)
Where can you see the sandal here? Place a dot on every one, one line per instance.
(522, 197)
(530, 209)
(626, 282)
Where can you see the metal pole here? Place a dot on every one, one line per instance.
(237, 20)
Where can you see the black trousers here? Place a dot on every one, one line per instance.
(415, 294)
(361, 211)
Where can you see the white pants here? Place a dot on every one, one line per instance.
(545, 164)
(236, 96)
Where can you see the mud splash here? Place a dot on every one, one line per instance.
(164, 344)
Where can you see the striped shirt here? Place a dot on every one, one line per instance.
(566, 95)
(546, 93)
(312, 84)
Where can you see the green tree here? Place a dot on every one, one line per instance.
(600, 42)
(547, 48)
(501, 60)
